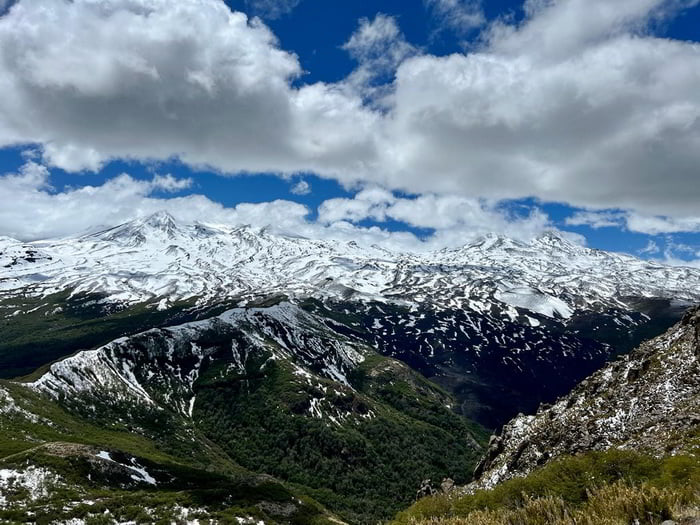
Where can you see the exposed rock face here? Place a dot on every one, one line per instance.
(649, 400)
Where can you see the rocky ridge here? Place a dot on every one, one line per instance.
(647, 401)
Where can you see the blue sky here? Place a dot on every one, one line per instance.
(372, 150)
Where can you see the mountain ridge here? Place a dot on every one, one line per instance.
(158, 257)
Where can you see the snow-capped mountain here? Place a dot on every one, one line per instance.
(157, 258)
(294, 357)
(501, 323)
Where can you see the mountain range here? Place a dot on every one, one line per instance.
(310, 381)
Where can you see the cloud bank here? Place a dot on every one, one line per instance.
(578, 103)
(32, 209)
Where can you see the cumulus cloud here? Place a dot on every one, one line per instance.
(657, 224)
(578, 103)
(171, 184)
(379, 47)
(616, 125)
(455, 220)
(634, 221)
(32, 208)
(192, 79)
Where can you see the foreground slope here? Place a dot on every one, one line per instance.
(647, 401)
(621, 448)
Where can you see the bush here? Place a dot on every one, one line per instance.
(616, 487)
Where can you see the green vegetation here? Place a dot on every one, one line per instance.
(360, 450)
(54, 424)
(367, 452)
(46, 329)
(201, 478)
(613, 487)
(88, 489)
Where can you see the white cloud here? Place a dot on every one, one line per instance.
(651, 248)
(657, 224)
(557, 29)
(171, 184)
(634, 221)
(191, 79)
(596, 219)
(272, 9)
(379, 47)
(461, 16)
(301, 188)
(615, 126)
(456, 220)
(374, 38)
(672, 254)
(32, 209)
(577, 104)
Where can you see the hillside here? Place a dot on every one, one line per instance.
(647, 401)
(263, 390)
(342, 375)
(621, 447)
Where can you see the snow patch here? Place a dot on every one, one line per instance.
(535, 301)
(141, 474)
(36, 481)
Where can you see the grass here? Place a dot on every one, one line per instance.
(617, 504)
(613, 487)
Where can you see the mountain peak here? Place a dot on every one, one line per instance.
(160, 219)
(556, 240)
(552, 236)
(494, 241)
(138, 231)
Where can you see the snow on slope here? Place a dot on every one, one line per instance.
(157, 258)
(34, 482)
(160, 366)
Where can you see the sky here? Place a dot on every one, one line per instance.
(413, 124)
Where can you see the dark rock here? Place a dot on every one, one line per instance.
(426, 489)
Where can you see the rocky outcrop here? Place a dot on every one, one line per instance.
(648, 401)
